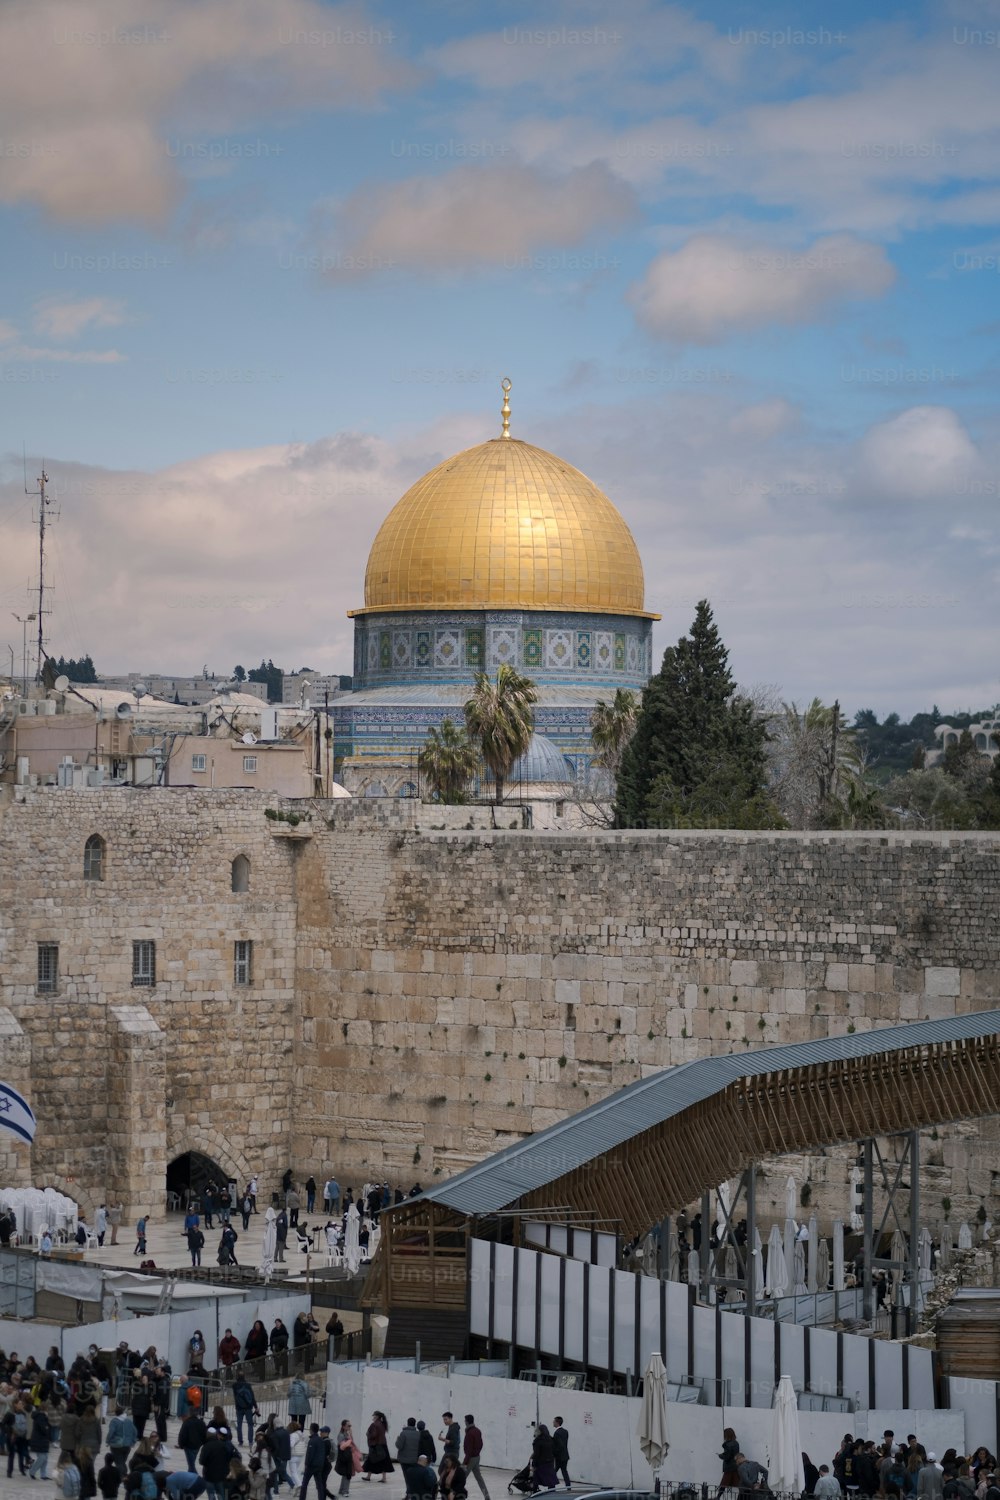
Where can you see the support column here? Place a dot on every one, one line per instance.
(137, 1114)
(868, 1211)
(913, 1311)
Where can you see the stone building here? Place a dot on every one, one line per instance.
(392, 989)
(503, 554)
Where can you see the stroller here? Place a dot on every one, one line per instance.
(523, 1482)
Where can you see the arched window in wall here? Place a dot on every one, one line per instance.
(241, 873)
(93, 858)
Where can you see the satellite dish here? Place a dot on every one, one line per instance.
(61, 684)
(249, 739)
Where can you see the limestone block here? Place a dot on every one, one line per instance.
(837, 977)
(942, 981)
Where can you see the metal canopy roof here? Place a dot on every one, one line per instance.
(544, 1158)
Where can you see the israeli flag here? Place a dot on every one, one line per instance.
(16, 1113)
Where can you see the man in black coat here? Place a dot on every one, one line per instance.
(560, 1449)
(316, 1456)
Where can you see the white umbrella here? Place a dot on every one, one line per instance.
(777, 1266)
(270, 1244)
(838, 1256)
(756, 1270)
(790, 1244)
(799, 1266)
(730, 1267)
(722, 1211)
(857, 1221)
(673, 1257)
(898, 1251)
(925, 1251)
(790, 1198)
(964, 1236)
(784, 1450)
(811, 1276)
(947, 1246)
(352, 1240)
(652, 1428)
(694, 1268)
(823, 1266)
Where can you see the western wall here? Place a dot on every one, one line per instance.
(426, 985)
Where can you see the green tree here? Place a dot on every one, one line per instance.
(78, 670)
(500, 718)
(612, 725)
(272, 675)
(239, 673)
(817, 767)
(448, 760)
(697, 756)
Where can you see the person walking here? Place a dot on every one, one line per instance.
(140, 1234)
(312, 1463)
(246, 1407)
(109, 1481)
(39, 1443)
(227, 1247)
(543, 1464)
(730, 1448)
(191, 1436)
(472, 1447)
(252, 1191)
(560, 1450)
(196, 1244)
(122, 1434)
(348, 1460)
(297, 1439)
(246, 1209)
(293, 1203)
(298, 1400)
(930, 1480)
(214, 1458)
(377, 1460)
(101, 1223)
(450, 1437)
(408, 1450)
(115, 1212)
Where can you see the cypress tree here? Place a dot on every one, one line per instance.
(697, 756)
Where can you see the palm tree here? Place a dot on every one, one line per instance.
(448, 760)
(612, 725)
(500, 717)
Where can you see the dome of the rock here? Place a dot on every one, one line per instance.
(505, 525)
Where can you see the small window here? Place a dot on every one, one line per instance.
(199, 762)
(243, 962)
(241, 873)
(93, 858)
(48, 968)
(249, 762)
(144, 963)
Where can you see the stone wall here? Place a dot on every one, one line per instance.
(427, 986)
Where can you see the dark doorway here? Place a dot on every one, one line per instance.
(189, 1175)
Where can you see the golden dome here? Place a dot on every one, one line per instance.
(505, 526)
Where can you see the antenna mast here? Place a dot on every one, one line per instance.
(43, 502)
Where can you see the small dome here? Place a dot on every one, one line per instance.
(541, 762)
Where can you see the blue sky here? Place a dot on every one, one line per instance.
(266, 263)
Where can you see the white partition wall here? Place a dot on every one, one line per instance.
(586, 1314)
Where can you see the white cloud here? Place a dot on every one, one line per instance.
(765, 419)
(716, 285)
(923, 453)
(67, 318)
(495, 215)
(90, 90)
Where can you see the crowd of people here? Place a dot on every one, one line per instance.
(863, 1467)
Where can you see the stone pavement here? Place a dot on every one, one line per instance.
(166, 1243)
